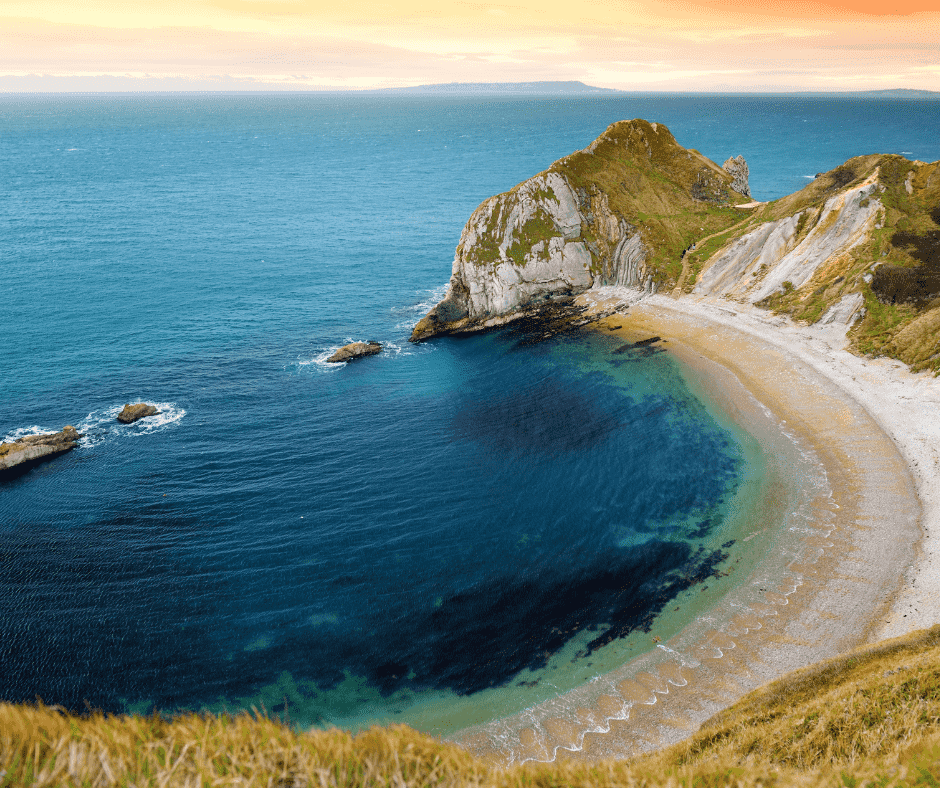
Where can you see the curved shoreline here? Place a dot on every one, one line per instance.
(846, 586)
(904, 405)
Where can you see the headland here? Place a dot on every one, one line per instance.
(775, 305)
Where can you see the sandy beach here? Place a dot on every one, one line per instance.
(863, 566)
(905, 406)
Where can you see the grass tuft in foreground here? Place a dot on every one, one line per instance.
(869, 718)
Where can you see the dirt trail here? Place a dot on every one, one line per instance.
(677, 290)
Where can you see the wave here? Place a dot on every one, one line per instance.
(25, 432)
(411, 314)
(318, 362)
(101, 425)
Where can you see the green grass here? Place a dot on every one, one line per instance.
(539, 228)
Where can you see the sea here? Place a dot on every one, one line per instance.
(445, 534)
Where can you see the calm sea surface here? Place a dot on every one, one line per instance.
(441, 534)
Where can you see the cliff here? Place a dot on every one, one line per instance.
(620, 212)
(860, 245)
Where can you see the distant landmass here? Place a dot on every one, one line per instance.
(890, 93)
(514, 88)
(576, 88)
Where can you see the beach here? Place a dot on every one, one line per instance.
(905, 406)
(862, 567)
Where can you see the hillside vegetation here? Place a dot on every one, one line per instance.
(895, 268)
(859, 245)
(868, 718)
(673, 196)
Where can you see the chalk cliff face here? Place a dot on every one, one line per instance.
(859, 246)
(737, 168)
(756, 265)
(588, 220)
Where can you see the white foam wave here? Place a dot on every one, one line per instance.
(319, 361)
(405, 349)
(24, 432)
(101, 425)
(411, 314)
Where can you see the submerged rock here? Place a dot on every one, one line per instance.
(131, 413)
(20, 455)
(354, 350)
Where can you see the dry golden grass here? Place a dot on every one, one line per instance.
(918, 343)
(870, 718)
(872, 703)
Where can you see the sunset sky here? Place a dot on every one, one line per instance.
(627, 44)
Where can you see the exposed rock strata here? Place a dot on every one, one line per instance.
(18, 456)
(637, 210)
(737, 168)
(776, 250)
(583, 222)
(131, 413)
(353, 351)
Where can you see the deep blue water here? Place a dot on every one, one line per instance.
(436, 520)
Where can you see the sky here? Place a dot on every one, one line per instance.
(637, 45)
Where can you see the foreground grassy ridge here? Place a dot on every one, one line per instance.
(869, 718)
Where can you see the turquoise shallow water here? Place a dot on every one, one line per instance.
(431, 527)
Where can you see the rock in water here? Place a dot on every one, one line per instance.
(736, 167)
(131, 413)
(22, 454)
(354, 350)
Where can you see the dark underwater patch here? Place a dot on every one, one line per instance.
(546, 418)
(156, 647)
(484, 636)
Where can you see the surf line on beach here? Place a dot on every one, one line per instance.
(833, 567)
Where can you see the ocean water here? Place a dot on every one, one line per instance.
(443, 534)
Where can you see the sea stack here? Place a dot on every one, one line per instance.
(736, 167)
(19, 455)
(131, 413)
(354, 350)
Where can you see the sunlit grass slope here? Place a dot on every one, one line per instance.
(871, 717)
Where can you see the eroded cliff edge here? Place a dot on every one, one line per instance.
(860, 245)
(619, 212)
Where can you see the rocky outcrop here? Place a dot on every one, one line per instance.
(353, 351)
(20, 455)
(590, 220)
(757, 264)
(736, 167)
(637, 210)
(131, 413)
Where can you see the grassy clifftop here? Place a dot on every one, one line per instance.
(871, 717)
(896, 268)
(672, 195)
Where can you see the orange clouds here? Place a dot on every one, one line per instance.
(629, 44)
